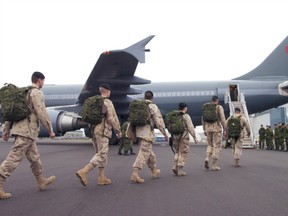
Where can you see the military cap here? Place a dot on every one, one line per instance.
(105, 86)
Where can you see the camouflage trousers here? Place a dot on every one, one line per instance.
(145, 155)
(22, 146)
(237, 147)
(181, 147)
(214, 144)
(101, 146)
(126, 144)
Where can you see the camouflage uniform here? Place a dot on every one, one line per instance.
(238, 143)
(286, 136)
(181, 144)
(26, 132)
(269, 138)
(281, 137)
(277, 137)
(147, 138)
(125, 142)
(214, 136)
(261, 138)
(102, 133)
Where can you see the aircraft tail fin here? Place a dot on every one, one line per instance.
(274, 67)
(137, 49)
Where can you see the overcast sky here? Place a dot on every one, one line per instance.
(195, 40)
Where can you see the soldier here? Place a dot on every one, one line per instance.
(213, 132)
(269, 137)
(181, 142)
(146, 137)
(26, 132)
(277, 136)
(101, 134)
(261, 137)
(125, 142)
(281, 136)
(286, 136)
(237, 143)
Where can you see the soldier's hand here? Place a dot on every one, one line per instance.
(52, 135)
(6, 137)
(205, 133)
(166, 137)
(119, 135)
(196, 141)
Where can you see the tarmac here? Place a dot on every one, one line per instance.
(258, 188)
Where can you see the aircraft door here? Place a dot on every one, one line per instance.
(234, 92)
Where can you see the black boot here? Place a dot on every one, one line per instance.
(119, 152)
(131, 152)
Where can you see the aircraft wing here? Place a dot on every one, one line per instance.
(117, 68)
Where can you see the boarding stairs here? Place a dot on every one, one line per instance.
(248, 142)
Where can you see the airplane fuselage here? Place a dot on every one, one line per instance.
(259, 96)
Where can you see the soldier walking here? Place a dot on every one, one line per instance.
(212, 127)
(237, 139)
(26, 132)
(125, 143)
(101, 134)
(146, 137)
(181, 142)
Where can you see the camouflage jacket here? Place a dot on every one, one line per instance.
(109, 122)
(218, 125)
(262, 133)
(147, 132)
(30, 127)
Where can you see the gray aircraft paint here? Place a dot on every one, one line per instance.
(117, 68)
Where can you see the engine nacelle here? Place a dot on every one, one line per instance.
(63, 122)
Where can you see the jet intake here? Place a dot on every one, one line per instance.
(283, 88)
(63, 122)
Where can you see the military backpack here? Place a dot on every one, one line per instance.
(234, 127)
(209, 112)
(139, 114)
(175, 122)
(92, 111)
(14, 102)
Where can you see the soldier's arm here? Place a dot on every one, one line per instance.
(112, 117)
(157, 118)
(246, 126)
(222, 117)
(40, 109)
(190, 126)
(6, 130)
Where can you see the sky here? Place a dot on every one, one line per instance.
(194, 40)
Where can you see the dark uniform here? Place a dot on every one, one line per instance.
(261, 137)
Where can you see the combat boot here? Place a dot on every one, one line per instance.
(135, 176)
(131, 152)
(44, 182)
(126, 153)
(155, 172)
(207, 159)
(214, 165)
(82, 173)
(181, 172)
(102, 180)
(3, 194)
(237, 163)
(175, 170)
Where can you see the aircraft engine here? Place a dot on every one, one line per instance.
(283, 88)
(63, 122)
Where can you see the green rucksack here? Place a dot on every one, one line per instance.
(175, 122)
(209, 112)
(139, 114)
(92, 111)
(14, 103)
(234, 127)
